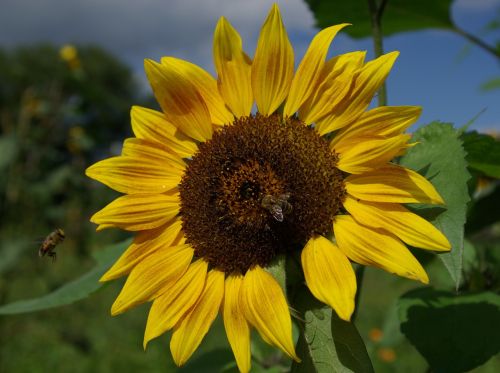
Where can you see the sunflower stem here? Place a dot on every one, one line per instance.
(376, 11)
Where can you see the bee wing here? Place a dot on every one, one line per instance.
(277, 212)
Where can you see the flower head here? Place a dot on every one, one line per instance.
(216, 192)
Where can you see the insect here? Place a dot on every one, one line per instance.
(49, 244)
(277, 206)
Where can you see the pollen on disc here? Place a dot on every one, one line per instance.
(260, 187)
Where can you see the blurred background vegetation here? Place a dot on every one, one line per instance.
(63, 108)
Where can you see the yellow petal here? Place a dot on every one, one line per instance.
(189, 333)
(329, 275)
(137, 212)
(367, 82)
(334, 84)
(392, 183)
(272, 68)
(206, 86)
(179, 99)
(234, 69)
(265, 307)
(152, 276)
(386, 121)
(409, 227)
(135, 175)
(152, 125)
(152, 151)
(375, 247)
(144, 244)
(237, 328)
(172, 305)
(310, 68)
(365, 154)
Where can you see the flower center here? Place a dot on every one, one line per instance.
(260, 187)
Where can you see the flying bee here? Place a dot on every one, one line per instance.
(277, 206)
(50, 242)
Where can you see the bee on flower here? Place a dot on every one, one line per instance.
(215, 192)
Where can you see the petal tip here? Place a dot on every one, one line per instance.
(105, 277)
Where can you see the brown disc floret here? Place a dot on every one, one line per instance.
(260, 187)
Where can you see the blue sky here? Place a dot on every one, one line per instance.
(432, 70)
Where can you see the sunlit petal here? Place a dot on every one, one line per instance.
(310, 68)
(364, 154)
(265, 307)
(145, 243)
(190, 331)
(151, 125)
(272, 68)
(392, 183)
(234, 69)
(385, 121)
(329, 275)
(136, 212)
(180, 100)
(206, 86)
(171, 306)
(152, 276)
(375, 247)
(392, 217)
(237, 328)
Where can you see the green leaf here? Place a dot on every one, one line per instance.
(484, 212)
(278, 271)
(72, 291)
(398, 16)
(483, 153)
(440, 157)
(212, 361)
(491, 85)
(455, 333)
(327, 343)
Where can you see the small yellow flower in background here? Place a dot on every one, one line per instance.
(386, 354)
(69, 54)
(215, 192)
(376, 335)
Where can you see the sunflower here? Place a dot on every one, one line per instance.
(216, 191)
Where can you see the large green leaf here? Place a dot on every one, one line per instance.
(484, 212)
(483, 153)
(440, 157)
(399, 15)
(326, 343)
(72, 291)
(454, 333)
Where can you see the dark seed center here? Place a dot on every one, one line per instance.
(260, 187)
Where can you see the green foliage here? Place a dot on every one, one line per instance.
(455, 333)
(440, 157)
(484, 212)
(483, 153)
(9, 147)
(278, 270)
(399, 15)
(73, 291)
(491, 85)
(327, 343)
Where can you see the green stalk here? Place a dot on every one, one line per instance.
(376, 11)
(478, 42)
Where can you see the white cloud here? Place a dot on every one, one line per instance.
(135, 30)
(476, 5)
